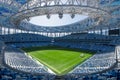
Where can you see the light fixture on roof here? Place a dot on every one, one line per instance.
(28, 19)
(47, 12)
(72, 15)
(48, 16)
(60, 15)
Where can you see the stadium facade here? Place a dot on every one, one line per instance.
(100, 32)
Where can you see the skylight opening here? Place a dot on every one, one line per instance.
(56, 20)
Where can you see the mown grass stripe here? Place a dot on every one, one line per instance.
(58, 59)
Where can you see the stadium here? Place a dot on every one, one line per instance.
(85, 48)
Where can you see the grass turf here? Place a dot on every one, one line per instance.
(58, 59)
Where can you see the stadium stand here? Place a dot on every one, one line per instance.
(96, 63)
(21, 61)
(92, 65)
(7, 73)
(91, 34)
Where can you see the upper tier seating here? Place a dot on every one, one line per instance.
(87, 38)
(23, 37)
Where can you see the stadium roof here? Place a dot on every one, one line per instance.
(102, 14)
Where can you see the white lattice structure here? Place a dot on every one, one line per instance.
(103, 14)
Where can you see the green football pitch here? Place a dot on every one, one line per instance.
(59, 60)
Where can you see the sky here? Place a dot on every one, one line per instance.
(55, 21)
